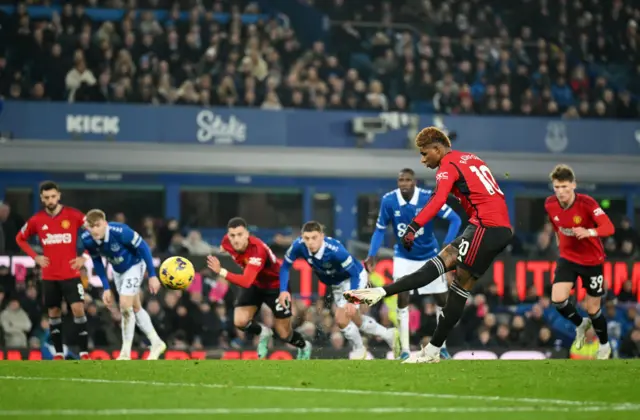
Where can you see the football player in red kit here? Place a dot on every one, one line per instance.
(579, 223)
(260, 282)
(471, 254)
(57, 228)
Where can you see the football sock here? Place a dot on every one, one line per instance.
(600, 326)
(569, 311)
(451, 314)
(439, 313)
(128, 325)
(55, 328)
(297, 340)
(352, 334)
(372, 327)
(83, 334)
(252, 328)
(430, 271)
(143, 321)
(403, 328)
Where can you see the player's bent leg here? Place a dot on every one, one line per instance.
(287, 334)
(370, 326)
(350, 331)
(599, 322)
(457, 298)
(127, 324)
(560, 293)
(243, 320)
(143, 321)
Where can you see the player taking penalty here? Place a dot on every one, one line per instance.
(129, 256)
(471, 254)
(260, 282)
(57, 229)
(579, 223)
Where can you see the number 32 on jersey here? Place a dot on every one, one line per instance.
(486, 177)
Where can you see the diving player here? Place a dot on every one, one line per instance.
(335, 267)
(399, 207)
(129, 256)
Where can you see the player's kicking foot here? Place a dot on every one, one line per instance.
(368, 296)
(156, 350)
(604, 351)
(305, 352)
(581, 331)
(84, 356)
(263, 345)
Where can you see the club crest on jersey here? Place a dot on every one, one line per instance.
(577, 220)
(65, 224)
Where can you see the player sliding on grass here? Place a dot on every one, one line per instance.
(129, 256)
(335, 267)
(471, 254)
(579, 223)
(261, 284)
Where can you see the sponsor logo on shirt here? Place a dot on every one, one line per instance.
(441, 175)
(598, 212)
(255, 261)
(57, 238)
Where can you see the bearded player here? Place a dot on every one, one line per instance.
(57, 228)
(260, 284)
(471, 254)
(579, 223)
(398, 208)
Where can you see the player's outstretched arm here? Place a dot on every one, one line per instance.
(245, 279)
(292, 254)
(447, 213)
(445, 180)
(101, 272)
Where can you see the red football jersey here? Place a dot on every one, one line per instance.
(58, 236)
(261, 267)
(469, 179)
(584, 212)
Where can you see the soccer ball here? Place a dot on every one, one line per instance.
(176, 273)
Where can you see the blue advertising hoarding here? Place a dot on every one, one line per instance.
(307, 128)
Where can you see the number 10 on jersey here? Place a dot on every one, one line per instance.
(486, 177)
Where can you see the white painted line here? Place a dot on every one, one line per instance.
(304, 410)
(543, 401)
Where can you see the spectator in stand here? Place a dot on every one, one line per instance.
(16, 325)
(10, 225)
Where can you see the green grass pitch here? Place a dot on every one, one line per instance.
(336, 389)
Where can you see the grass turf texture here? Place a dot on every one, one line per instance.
(495, 390)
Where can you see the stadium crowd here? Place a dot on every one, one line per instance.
(578, 59)
(202, 316)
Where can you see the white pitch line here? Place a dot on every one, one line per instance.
(304, 410)
(542, 401)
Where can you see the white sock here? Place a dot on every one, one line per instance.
(403, 328)
(143, 321)
(352, 334)
(372, 327)
(439, 311)
(128, 325)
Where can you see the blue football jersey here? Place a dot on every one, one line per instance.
(399, 213)
(120, 246)
(332, 263)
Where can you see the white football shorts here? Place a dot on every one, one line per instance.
(128, 283)
(403, 266)
(338, 289)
